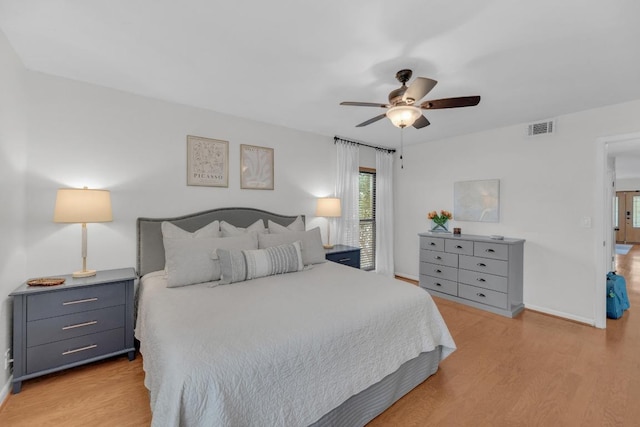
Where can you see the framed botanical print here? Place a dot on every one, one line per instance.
(207, 162)
(256, 167)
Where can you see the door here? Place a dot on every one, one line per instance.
(628, 217)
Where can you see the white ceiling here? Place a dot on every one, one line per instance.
(291, 62)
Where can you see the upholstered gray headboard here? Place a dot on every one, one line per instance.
(151, 248)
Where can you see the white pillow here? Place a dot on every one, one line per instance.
(229, 230)
(193, 260)
(311, 243)
(296, 225)
(239, 265)
(172, 231)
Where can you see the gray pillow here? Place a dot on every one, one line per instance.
(239, 265)
(229, 230)
(311, 243)
(296, 225)
(194, 260)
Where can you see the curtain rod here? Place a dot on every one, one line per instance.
(375, 147)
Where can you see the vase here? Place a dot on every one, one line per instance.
(439, 227)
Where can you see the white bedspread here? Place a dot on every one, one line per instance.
(280, 350)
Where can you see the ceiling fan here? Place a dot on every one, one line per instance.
(401, 109)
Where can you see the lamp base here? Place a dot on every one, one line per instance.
(328, 246)
(84, 273)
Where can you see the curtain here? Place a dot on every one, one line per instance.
(384, 213)
(347, 189)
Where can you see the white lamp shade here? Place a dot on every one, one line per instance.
(403, 115)
(329, 207)
(82, 205)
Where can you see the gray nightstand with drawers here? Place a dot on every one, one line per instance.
(344, 254)
(81, 321)
(475, 270)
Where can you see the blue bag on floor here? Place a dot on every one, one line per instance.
(617, 298)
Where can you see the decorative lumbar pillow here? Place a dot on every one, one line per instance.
(172, 231)
(311, 243)
(229, 230)
(239, 265)
(296, 225)
(191, 260)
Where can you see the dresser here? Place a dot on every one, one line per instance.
(475, 270)
(344, 254)
(81, 321)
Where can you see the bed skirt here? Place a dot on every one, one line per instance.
(363, 407)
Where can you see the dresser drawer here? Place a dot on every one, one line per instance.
(440, 285)
(74, 300)
(350, 258)
(484, 296)
(74, 325)
(439, 271)
(491, 250)
(53, 355)
(484, 265)
(483, 280)
(441, 258)
(433, 243)
(463, 247)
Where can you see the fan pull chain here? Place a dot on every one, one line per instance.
(401, 148)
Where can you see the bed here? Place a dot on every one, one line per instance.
(325, 345)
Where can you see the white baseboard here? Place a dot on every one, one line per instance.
(4, 393)
(579, 319)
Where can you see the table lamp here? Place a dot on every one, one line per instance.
(328, 207)
(83, 205)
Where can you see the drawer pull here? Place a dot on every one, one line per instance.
(344, 259)
(480, 294)
(80, 325)
(489, 250)
(480, 279)
(89, 347)
(481, 264)
(437, 257)
(438, 284)
(458, 247)
(432, 244)
(437, 271)
(80, 301)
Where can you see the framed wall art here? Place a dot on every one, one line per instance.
(256, 167)
(477, 200)
(207, 162)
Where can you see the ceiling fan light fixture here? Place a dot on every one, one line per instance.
(403, 115)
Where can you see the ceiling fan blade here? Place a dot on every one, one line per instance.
(364, 104)
(463, 101)
(418, 89)
(421, 122)
(368, 122)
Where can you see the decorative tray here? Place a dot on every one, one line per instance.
(46, 281)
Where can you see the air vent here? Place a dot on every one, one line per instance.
(541, 128)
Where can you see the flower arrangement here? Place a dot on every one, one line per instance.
(440, 220)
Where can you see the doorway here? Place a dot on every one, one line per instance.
(627, 207)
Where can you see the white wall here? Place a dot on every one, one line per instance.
(547, 188)
(82, 134)
(13, 164)
(628, 184)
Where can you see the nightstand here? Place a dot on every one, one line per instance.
(344, 254)
(81, 321)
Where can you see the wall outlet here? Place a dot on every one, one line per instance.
(7, 359)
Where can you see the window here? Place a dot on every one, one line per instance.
(616, 212)
(367, 210)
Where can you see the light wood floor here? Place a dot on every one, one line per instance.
(529, 371)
